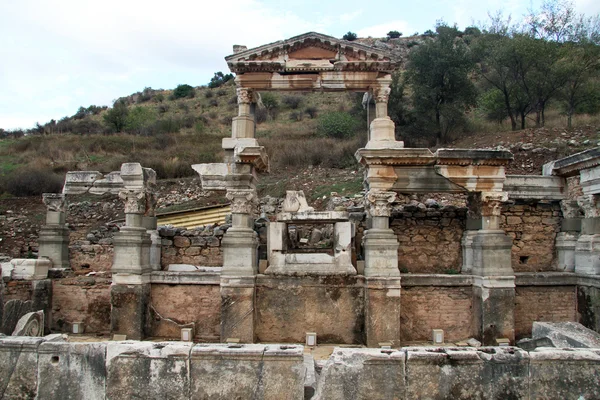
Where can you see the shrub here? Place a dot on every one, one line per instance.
(232, 99)
(183, 106)
(208, 94)
(261, 115)
(350, 36)
(337, 125)
(159, 97)
(182, 91)
(145, 95)
(213, 103)
(221, 92)
(394, 34)
(116, 117)
(311, 111)
(33, 182)
(219, 79)
(292, 101)
(162, 108)
(296, 116)
(269, 101)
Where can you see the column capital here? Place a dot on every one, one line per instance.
(135, 201)
(589, 205)
(54, 201)
(243, 201)
(381, 94)
(245, 95)
(491, 203)
(379, 203)
(570, 209)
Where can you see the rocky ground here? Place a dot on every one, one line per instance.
(21, 218)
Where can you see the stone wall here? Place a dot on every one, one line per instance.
(55, 369)
(429, 238)
(173, 307)
(424, 308)
(588, 306)
(331, 306)
(543, 303)
(200, 247)
(533, 229)
(17, 290)
(81, 299)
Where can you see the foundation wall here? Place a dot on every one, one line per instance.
(288, 307)
(588, 306)
(424, 308)
(543, 303)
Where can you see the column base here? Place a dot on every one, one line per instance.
(240, 252)
(494, 308)
(381, 253)
(566, 243)
(132, 251)
(54, 244)
(129, 310)
(237, 308)
(382, 310)
(587, 254)
(492, 253)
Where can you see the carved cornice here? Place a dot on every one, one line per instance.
(570, 166)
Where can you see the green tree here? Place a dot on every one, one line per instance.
(350, 36)
(139, 120)
(339, 125)
(219, 79)
(394, 34)
(182, 91)
(438, 73)
(116, 117)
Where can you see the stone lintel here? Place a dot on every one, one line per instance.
(343, 281)
(535, 187)
(130, 279)
(494, 282)
(546, 279)
(186, 278)
(238, 281)
(223, 176)
(573, 164)
(473, 157)
(313, 217)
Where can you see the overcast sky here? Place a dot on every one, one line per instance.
(57, 55)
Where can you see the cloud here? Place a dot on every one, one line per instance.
(381, 30)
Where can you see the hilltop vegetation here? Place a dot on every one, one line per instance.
(452, 84)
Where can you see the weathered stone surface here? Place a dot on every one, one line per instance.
(237, 308)
(566, 334)
(287, 308)
(129, 307)
(588, 306)
(72, 370)
(147, 370)
(247, 371)
(382, 298)
(18, 367)
(30, 269)
(30, 324)
(563, 374)
(173, 307)
(81, 299)
(13, 311)
(362, 374)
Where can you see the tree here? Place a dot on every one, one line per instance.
(350, 36)
(438, 72)
(139, 120)
(219, 79)
(394, 34)
(182, 91)
(555, 21)
(116, 117)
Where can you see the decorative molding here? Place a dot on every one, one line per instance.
(135, 201)
(380, 203)
(243, 201)
(54, 202)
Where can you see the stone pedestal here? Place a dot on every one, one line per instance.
(129, 308)
(493, 287)
(54, 235)
(240, 252)
(237, 308)
(380, 247)
(566, 243)
(467, 251)
(132, 251)
(382, 310)
(587, 254)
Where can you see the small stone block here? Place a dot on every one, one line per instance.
(437, 336)
(262, 266)
(232, 340)
(304, 240)
(462, 344)
(503, 342)
(311, 339)
(77, 328)
(119, 338)
(360, 267)
(385, 345)
(187, 334)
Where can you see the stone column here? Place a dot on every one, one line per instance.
(54, 235)
(240, 265)
(130, 291)
(473, 225)
(494, 279)
(382, 276)
(244, 125)
(566, 239)
(587, 250)
(149, 221)
(381, 131)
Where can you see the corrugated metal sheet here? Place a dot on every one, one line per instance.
(190, 219)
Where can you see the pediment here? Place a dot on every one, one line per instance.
(309, 52)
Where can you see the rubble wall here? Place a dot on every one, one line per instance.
(55, 369)
(81, 299)
(196, 247)
(288, 307)
(424, 308)
(18, 290)
(543, 303)
(173, 307)
(533, 229)
(429, 238)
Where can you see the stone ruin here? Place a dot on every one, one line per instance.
(339, 277)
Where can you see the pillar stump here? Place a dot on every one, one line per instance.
(54, 235)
